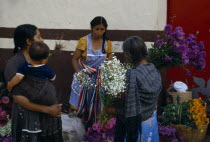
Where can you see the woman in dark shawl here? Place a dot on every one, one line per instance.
(137, 117)
(32, 96)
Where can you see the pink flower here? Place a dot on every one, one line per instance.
(90, 129)
(113, 120)
(5, 100)
(95, 126)
(98, 131)
(3, 115)
(109, 125)
(1, 109)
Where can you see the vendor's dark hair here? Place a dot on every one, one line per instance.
(97, 21)
(38, 51)
(21, 34)
(134, 50)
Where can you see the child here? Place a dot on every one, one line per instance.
(137, 118)
(37, 67)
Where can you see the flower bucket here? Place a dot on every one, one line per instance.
(191, 135)
(179, 97)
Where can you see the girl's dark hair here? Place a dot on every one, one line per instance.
(98, 21)
(21, 34)
(39, 51)
(134, 50)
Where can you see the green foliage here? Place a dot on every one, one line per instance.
(178, 114)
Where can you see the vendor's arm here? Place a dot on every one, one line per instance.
(54, 110)
(76, 57)
(81, 47)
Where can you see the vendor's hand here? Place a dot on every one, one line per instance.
(54, 110)
(110, 110)
(80, 76)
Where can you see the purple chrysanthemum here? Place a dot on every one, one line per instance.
(168, 29)
(178, 29)
(192, 54)
(159, 42)
(195, 48)
(185, 60)
(192, 43)
(176, 43)
(201, 54)
(192, 36)
(167, 59)
(201, 45)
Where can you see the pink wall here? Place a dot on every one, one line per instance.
(194, 17)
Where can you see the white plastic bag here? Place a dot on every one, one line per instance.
(180, 86)
(72, 128)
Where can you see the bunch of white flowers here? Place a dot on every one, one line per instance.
(113, 77)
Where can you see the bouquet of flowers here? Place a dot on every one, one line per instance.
(5, 114)
(113, 80)
(99, 133)
(176, 49)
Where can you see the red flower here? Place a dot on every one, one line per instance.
(3, 122)
(3, 115)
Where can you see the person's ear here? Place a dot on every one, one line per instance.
(28, 42)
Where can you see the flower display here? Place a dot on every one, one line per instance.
(174, 48)
(190, 113)
(99, 133)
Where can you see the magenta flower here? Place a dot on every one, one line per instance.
(1, 108)
(90, 130)
(113, 120)
(109, 125)
(5, 100)
(3, 114)
(95, 126)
